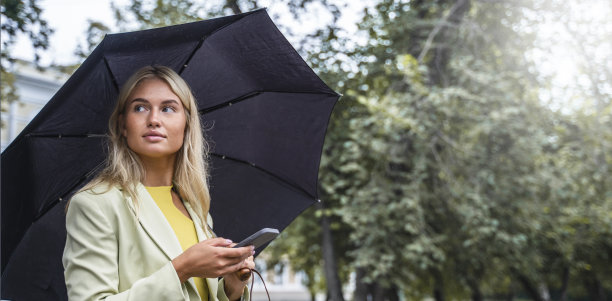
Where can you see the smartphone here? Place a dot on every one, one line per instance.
(259, 238)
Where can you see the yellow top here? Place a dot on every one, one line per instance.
(182, 225)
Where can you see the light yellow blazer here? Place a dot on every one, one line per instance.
(115, 251)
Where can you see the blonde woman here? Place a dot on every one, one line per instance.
(141, 229)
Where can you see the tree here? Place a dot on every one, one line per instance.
(19, 17)
(468, 116)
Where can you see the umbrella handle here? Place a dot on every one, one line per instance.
(244, 274)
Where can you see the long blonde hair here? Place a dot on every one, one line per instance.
(123, 167)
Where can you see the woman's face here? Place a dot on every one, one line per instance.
(154, 120)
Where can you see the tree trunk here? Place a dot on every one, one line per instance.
(361, 288)
(510, 295)
(334, 286)
(564, 284)
(233, 5)
(392, 293)
(442, 52)
(531, 290)
(595, 289)
(476, 293)
(380, 293)
(438, 290)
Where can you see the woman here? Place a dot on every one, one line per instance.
(141, 229)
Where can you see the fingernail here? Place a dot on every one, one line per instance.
(229, 241)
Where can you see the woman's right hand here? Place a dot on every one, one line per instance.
(211, 258)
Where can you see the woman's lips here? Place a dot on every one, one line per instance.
(153, 137)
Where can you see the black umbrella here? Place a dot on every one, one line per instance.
(264, 110)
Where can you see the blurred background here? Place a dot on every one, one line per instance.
(468, 159)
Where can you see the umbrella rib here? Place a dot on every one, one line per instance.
(294, 186)
(229, 103)
(195, 49)
(64, 197)
(34, 135)
(252, 94)
(110, 71)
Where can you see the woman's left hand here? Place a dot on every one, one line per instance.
(234, 287)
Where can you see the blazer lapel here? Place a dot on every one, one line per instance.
(155, 224)
(157, 227)
(213, 287)
(204, 233)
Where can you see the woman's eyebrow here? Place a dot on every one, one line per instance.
(170, 101)
(138, 100)
(173, 101)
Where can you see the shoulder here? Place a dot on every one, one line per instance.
(98, 191)
(101, 195)
(94, 209)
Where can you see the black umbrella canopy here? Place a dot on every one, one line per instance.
(264, 110)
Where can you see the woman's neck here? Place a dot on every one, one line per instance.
(158, 172)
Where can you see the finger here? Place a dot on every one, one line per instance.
(232, 268)
(250, 262)
(249, 252)
(219, 242)
(241, 265)
(238, 253)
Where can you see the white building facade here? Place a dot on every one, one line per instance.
(35, 88)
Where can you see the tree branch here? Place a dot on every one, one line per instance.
(450, 17)
(233, 5)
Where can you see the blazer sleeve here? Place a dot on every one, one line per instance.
(90, 259)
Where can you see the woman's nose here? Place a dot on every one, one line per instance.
(153, 119)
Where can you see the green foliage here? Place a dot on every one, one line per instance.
(444, 167)
(9, 92)
(19, 17)
(23, 17)
(576, 219)
(292, 249)
(152, 14)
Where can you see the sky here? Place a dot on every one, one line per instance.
(69, 20)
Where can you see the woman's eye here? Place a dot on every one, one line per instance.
(168, 109)
(139, 108)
